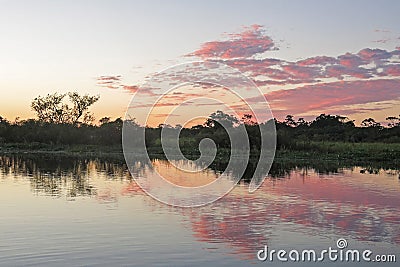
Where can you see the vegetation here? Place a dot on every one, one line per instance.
(54, 109)
(45, 170)
(68, 125)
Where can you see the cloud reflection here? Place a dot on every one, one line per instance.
(350, 202)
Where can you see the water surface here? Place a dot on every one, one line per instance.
(58, 211)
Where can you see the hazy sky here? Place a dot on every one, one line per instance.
(49, 46)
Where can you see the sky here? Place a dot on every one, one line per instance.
(306, 57)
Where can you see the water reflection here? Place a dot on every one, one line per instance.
(361, 208)
(62, 176)
(324, 200)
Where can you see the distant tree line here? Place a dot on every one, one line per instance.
(67, 121)
(336, 128)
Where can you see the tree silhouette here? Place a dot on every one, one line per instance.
(289, 121)
(53, 108)
(393, 121)
(248, 120)
(219, 119)
(370, 122)
(80, 106)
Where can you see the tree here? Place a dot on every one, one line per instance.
(393, 121)
(4, 124)
(289, 121)
(104, 120)
(324, 120)
(53, 108)
(80, 107)
(219, 119)
(370, 122)
(2, 120)
(302, 122)
(248, 120)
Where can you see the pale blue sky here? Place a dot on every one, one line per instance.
(49, 46)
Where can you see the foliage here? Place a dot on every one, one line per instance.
(53, 108)
(220, 119)
(66, 124)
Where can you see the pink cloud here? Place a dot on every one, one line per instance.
(309, 70)
(302, 73)
(254, 66)
(372, 55)
(392, 70)
(339, 71)
(350, 60)
(321, 97)
(109, 81)
(319, 60)
(250, 42)
(131, 88)
(109, 78)
(115, 82)
(239, 51)
(370, 75)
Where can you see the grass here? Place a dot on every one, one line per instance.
(322, 156)
(342, 150)
(63, 150)
(374, 152)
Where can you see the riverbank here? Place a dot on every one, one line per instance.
(382, 154)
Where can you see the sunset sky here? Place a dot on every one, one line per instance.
(307, 57)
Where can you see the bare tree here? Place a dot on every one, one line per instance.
(54, 108)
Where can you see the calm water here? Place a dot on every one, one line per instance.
(74, 212)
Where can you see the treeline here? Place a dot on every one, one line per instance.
(336, 128)
(35, 131)
(65, 120)
(291, 133)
